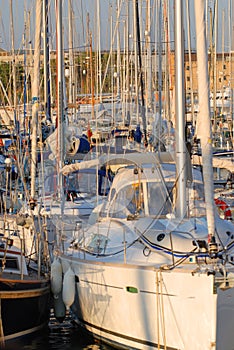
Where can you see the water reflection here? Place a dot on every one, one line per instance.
(65, 336)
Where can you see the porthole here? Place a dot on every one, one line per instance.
(160, 237)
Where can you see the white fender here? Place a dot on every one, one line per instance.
(69, 288)
(59, 308)
(56, 277)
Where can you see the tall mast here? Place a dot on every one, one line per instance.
(28, 59)
(223, 23)
(71, 55)
(25, 74)
(60, 95)
(159, 39)
(190, 62)
(180, 112)
(203, 120)
(127, 58)
(140, 69)
(88, 84)
(13, 56)
(167, 62)
(215, 61)
(35, 99)
(231, 37)
(91, 74)
(149, 56)
(136, 60)
(47, 94)
(99, 65)
(118, 62)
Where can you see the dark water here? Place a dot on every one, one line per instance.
(65, 336)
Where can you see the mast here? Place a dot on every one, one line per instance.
(159, 39)
(203, 120)
(136, 60)
(35, 100)
(167, 103)
(91, 74)
(190, 63)
(99, 65)
(215, 62)
(118, 62)
(180, 112)
(222, 88)
(230, 38)
(71, 56)
(88, 84)
(141, 73)
(124, 74)
(60, 95)
(28, 58)
(25, 74)
(149, 56)
(47, 95)
(127, 60)
(13, 56)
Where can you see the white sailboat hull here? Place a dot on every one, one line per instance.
(143, 307)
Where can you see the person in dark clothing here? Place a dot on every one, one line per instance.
(138, 134)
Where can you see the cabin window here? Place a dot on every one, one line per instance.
(11, 263)
(129, 200)
(135, 199)
(158, 199)
(97, 244)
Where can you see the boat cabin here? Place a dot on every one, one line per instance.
(148, 190)
(12, 260)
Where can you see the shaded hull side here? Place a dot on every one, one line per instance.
(25, 307)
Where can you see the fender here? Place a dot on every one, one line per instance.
(224, 207)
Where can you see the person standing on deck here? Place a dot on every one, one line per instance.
(138, 135)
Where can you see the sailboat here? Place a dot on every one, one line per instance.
(153, 268)
(24, 259)
(24, 293)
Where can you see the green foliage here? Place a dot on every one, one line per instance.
(4, 73)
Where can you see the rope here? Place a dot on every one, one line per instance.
(160, 309)
(157, 303)
(2, 342)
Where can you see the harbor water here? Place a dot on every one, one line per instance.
(59, 336)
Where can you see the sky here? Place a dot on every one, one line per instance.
(108, 21)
